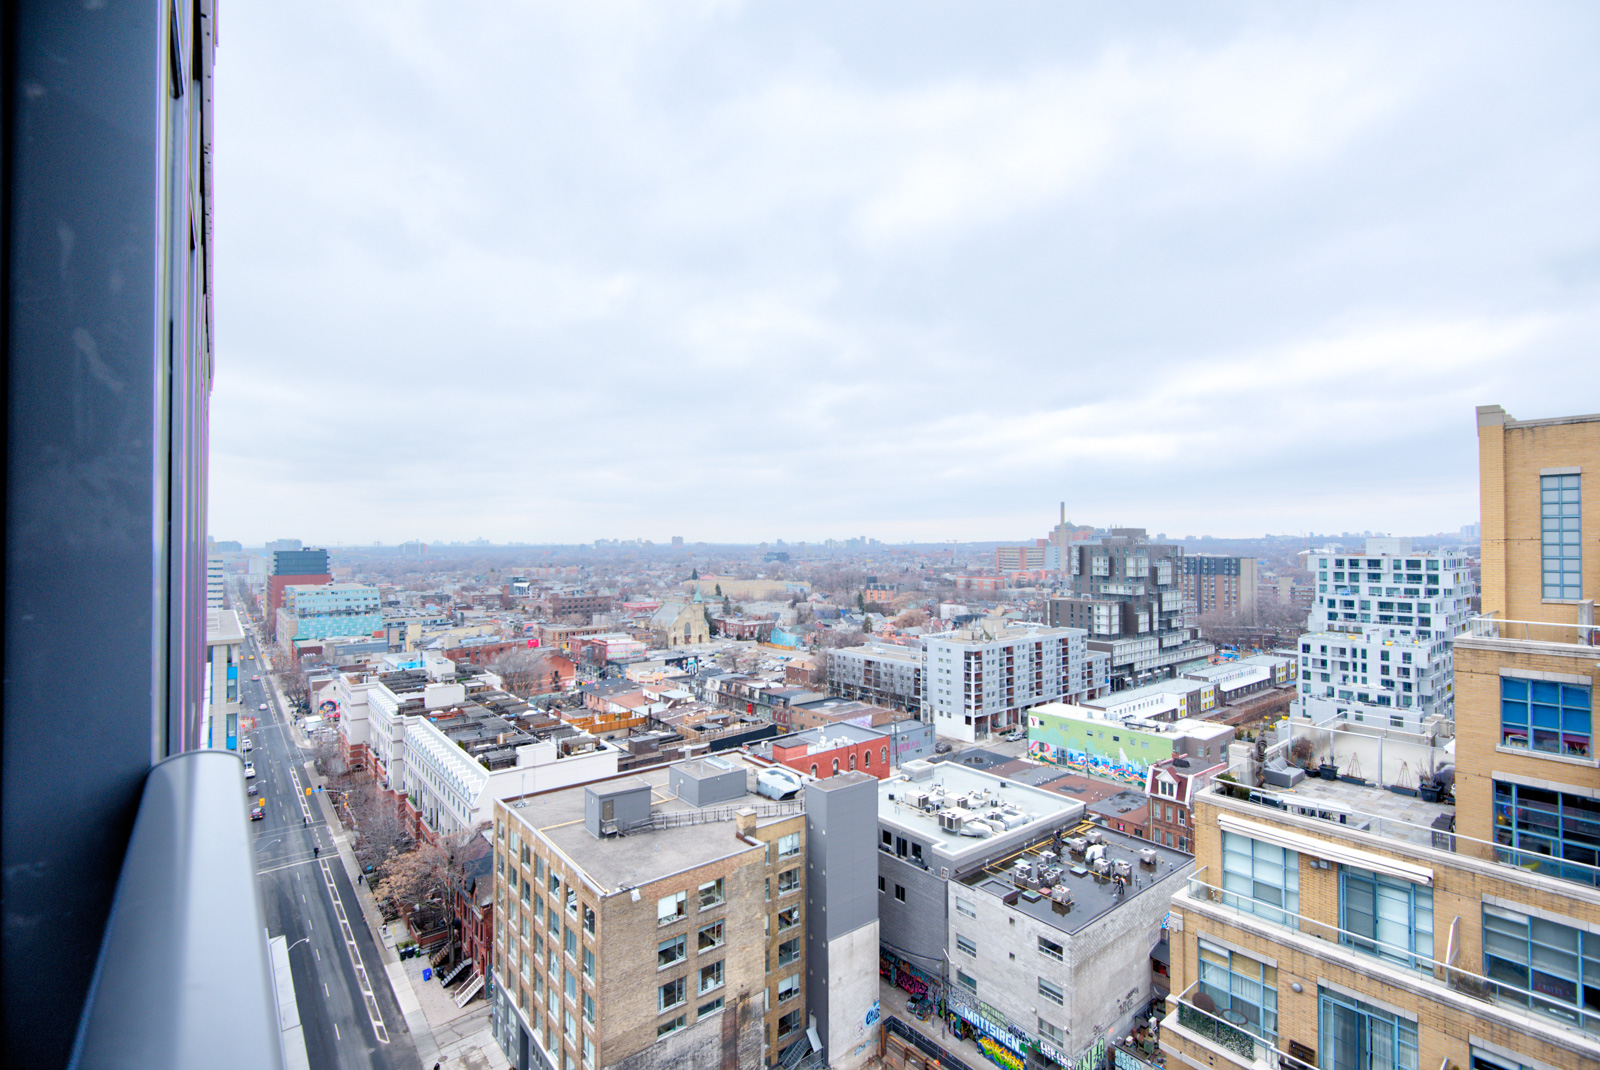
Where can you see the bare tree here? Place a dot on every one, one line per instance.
(380, 832)
(526, 672)
(911, 618)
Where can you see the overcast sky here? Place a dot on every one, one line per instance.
(552, 273)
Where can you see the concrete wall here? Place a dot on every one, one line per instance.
(841, 910)
(913, 929)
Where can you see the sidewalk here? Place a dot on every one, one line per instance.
(456, 1038)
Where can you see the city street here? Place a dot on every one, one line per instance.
(347, 1007)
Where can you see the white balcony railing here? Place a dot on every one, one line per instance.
(1583, 633)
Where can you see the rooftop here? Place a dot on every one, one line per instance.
(1378, 811)
(616, 863)
(1093, 896)
(994, 807)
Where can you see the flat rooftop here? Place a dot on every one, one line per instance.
(1093, 896)
(1019, 806)
(615, 863)
(1367, 809)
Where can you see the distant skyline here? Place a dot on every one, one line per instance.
(554, 272)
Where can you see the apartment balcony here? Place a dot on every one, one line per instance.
(1397, 973)
(1198, 1020)
(1492, 627)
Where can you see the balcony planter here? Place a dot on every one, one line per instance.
(1351, 779)
(1328, 772)
(1429, 791)
(1398, 790)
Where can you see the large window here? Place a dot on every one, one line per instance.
(1555, 967)
(1358, 1036)
(1560, 537)
(1243, 991)
(1539, 829)
(1261, 877)
(1546, 715)
(1385, 916)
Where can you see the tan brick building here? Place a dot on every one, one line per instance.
(654, 921)
(1340, 926)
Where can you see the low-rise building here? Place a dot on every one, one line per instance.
(1122, 748)
(839, 748)
(1050, 950)
(981, 680)
(877, 673)
(938, 823)
(224, 644)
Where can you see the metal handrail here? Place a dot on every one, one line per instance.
(1493, 626)
(1454, 978)
(185, 977)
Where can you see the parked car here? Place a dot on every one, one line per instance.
(248, 745)
(263, 705)
(920, 1007)
(249, 770)
(258, 813)
(1014, 736)
(943, 748)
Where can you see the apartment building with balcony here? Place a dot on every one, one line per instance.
(1341, 926)
(1128, 595)
(983, 679)
(878, 674)
(1378, 648)
(675, 918)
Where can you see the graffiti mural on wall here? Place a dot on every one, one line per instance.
(1122, 769)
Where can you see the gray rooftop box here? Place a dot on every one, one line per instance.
(708, 781)
(616, 806)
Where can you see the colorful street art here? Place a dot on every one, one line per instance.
(1122, 769)
(997, 1054)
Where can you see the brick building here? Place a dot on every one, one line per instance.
(1347, 927)
(835, 749)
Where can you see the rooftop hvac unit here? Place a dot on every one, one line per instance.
(1102, 867)
(951, 820)
(920, 800)
(980, 829)
(1147, 855)
(1048, 857)
(1077, 844)
(1061, 896)
(1122, 868)
(1097, 836)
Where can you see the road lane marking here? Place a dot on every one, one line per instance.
(367, 995)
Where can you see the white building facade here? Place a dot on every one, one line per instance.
(980, 680)
(1379, 647)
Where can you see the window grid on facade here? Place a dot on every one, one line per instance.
(1546, 716)
(1560, 536)
(1554, 968)
(1243, 986)
(1539, 829)
(1385, 916)
(1357, 1036)
(1262, 878)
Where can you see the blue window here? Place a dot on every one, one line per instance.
(1551, 967)
(1559, 539)
(1243, 986)
(1261, 878)
(1545, 716)
(1385, 916)
(1357, 1036)
(1539, 829)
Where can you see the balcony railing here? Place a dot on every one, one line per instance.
(1362, 952)
(1220, 1032)
(185, 979)
(1583, 633)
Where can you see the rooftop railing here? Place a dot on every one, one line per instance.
(1583, 633)
(1507, 853)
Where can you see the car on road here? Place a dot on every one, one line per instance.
(257, 678)
(249, 770)
(258, 813)
(263, 705)
(943, 748)
(252, 657)
(248, 745)
(1013, 737)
